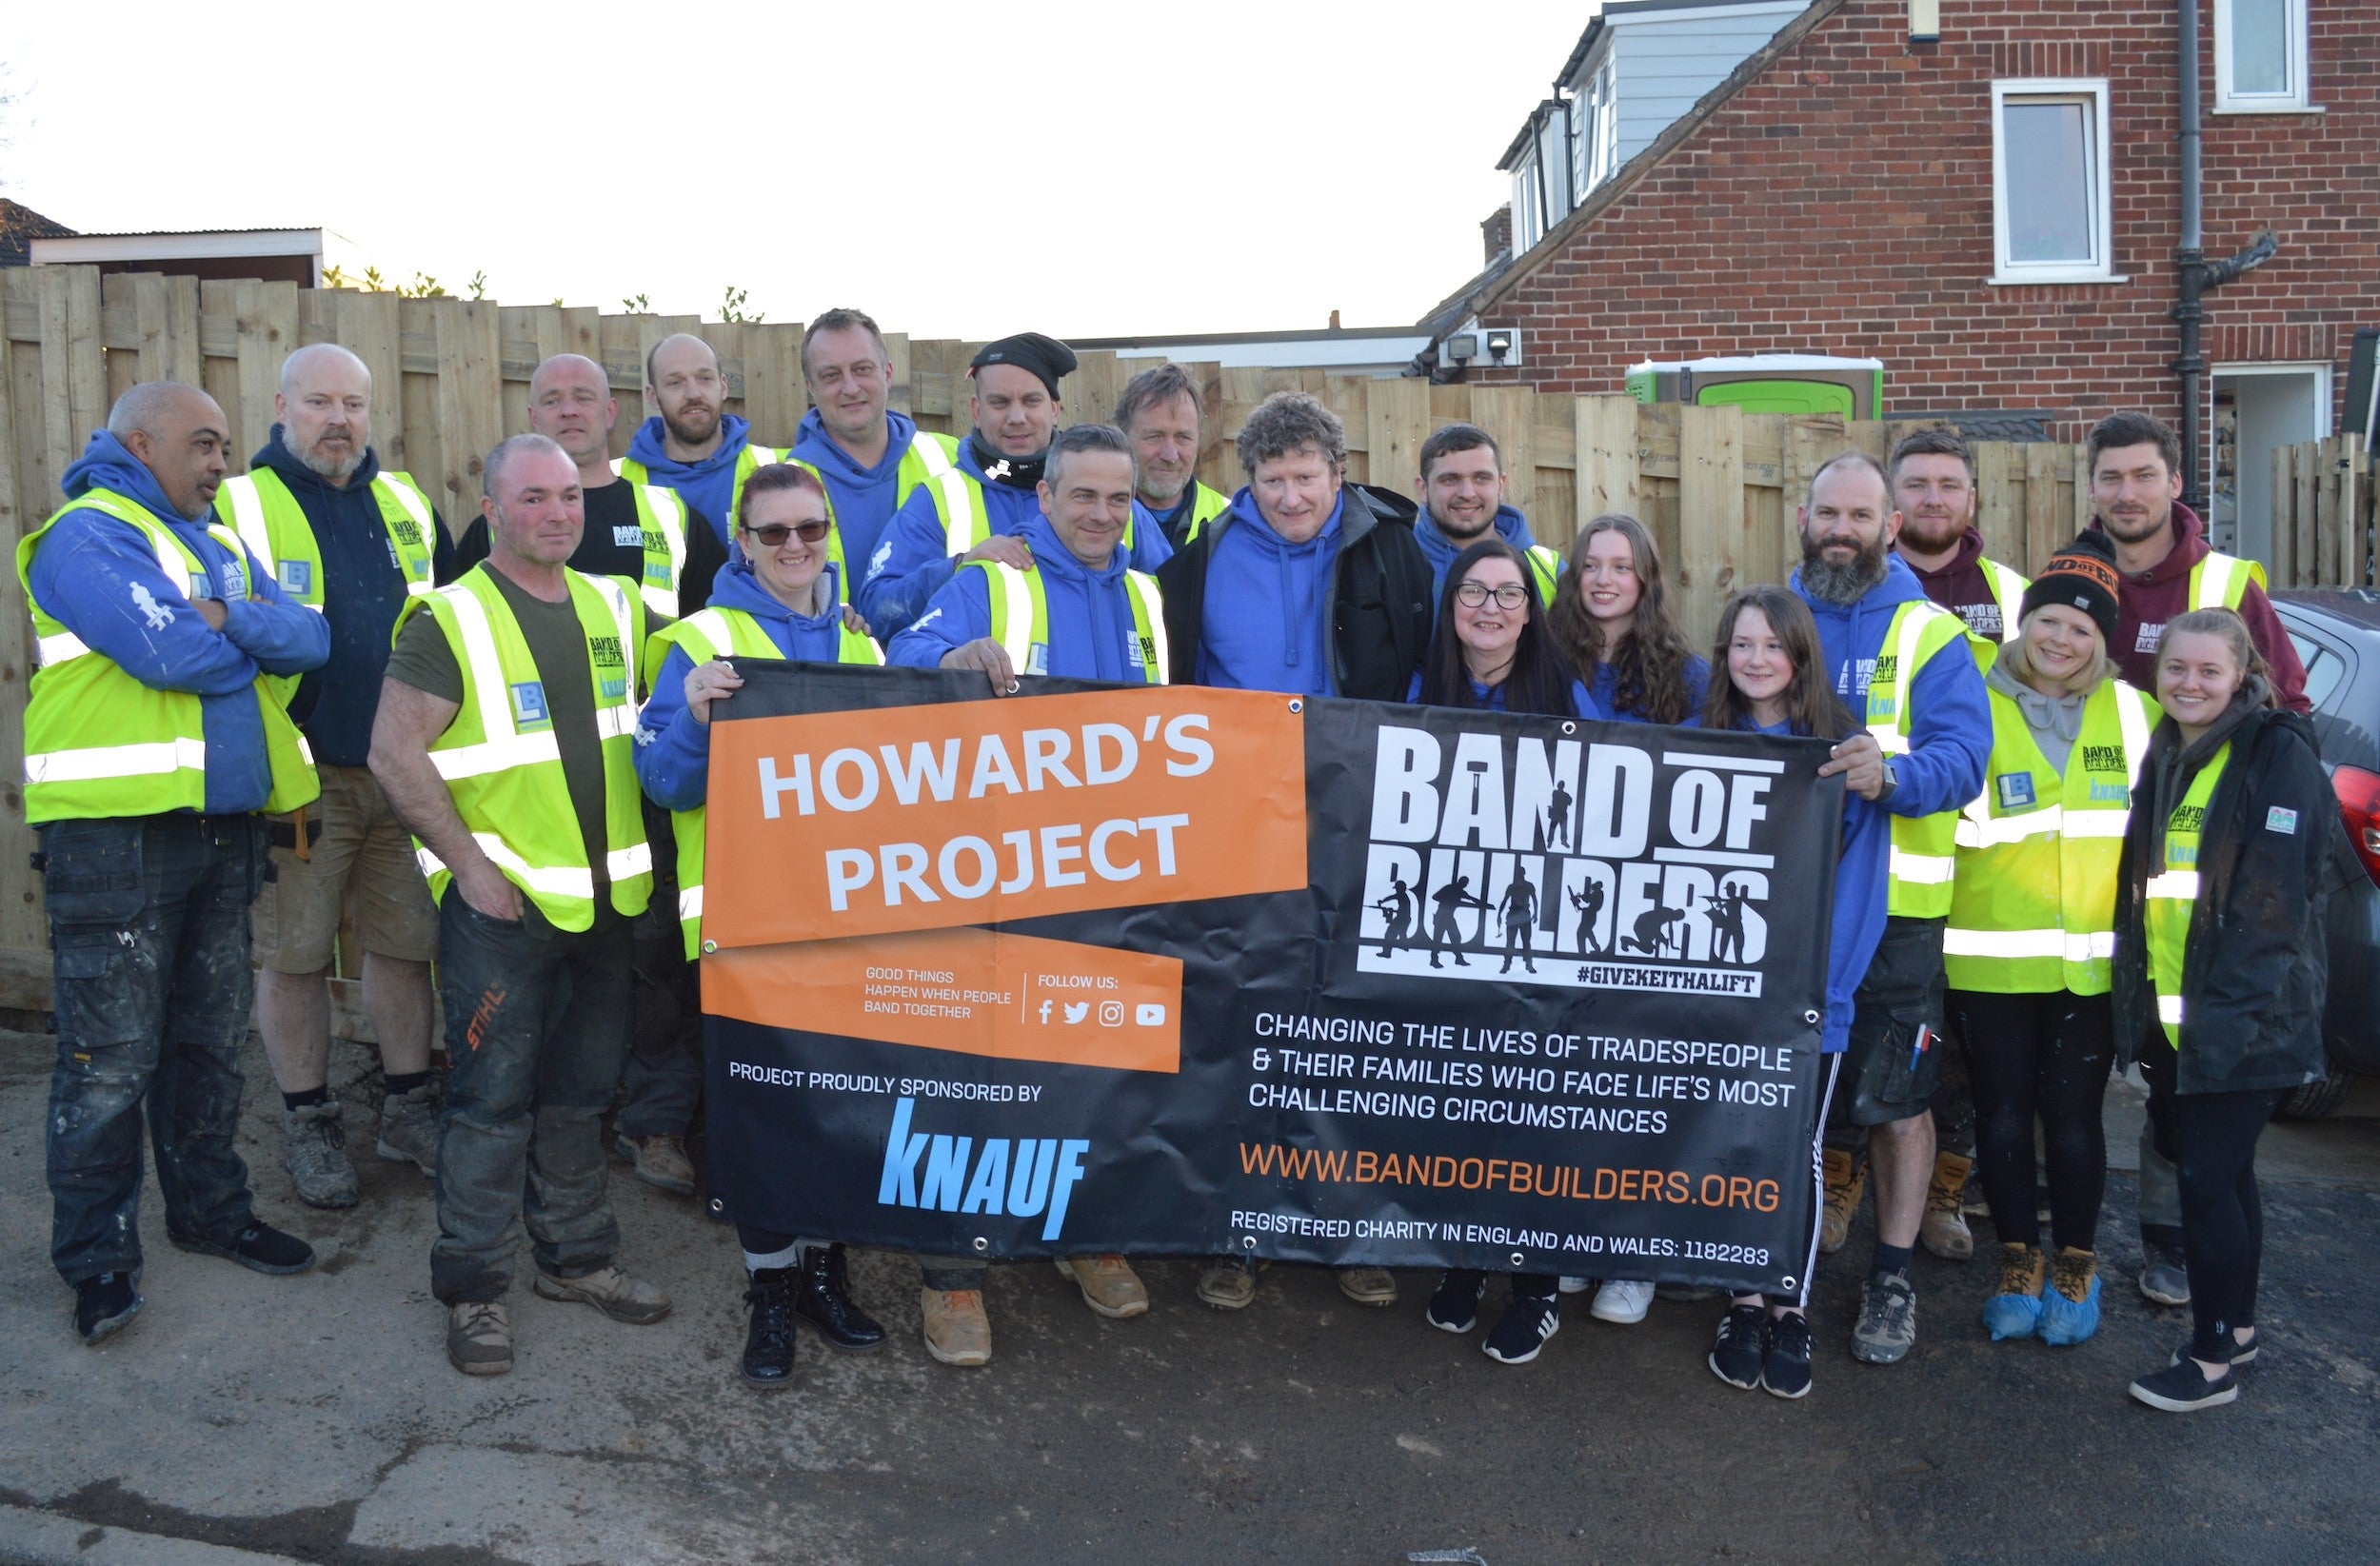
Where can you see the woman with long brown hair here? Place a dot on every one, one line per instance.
(1613, 617)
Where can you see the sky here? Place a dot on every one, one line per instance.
(1113, 170)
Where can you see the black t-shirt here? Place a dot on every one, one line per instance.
(613, 545)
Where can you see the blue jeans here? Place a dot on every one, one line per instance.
(537, 1021)
(148, 928)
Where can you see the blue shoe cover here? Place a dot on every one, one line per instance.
(2016, 1315)
(2063, 1322)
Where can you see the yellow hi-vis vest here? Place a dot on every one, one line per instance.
(958, 507)
(2008, 591)
(1545, 564)
(2220, 581)
(749, 461)
(661, 518)
(722, 633)
(97, 741)
(1021, 619)
(2032, 909)
(2172, 895)
(502, 764)
(1924, 847)
(1206, 505)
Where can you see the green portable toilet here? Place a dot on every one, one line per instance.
(1766, 382)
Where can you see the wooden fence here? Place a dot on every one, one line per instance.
(2321, 514)
(1718, 487)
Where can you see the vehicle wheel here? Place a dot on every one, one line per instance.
(2315, 1100)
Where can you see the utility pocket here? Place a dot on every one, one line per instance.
(93, 873)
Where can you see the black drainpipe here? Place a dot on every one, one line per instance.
(2198, 274)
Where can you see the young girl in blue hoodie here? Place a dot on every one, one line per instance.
(1775, 682)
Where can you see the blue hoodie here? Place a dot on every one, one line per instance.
(1091, 635)
(707, 485)
(1858, 925)
(673, 747)
(1264, 623)
(1605, 688)
(1440, 550)
(1491, 698)
(1950, 736)
(911, 561)
(864, 498)
(91, 573)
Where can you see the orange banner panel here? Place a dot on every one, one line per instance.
(915, 818)
(973, 992)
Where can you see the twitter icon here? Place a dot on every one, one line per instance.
(1078, 1010)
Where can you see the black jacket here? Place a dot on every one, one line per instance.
(2256, 967)
(1379, 602)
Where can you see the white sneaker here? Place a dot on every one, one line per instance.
(1576, 1285)
(1622, 1301)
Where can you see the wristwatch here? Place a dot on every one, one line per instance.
(1891, 782)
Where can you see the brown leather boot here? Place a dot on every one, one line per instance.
(1944, 1231)
(956, 1331)
(1845, 1185)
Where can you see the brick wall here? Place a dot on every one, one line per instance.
(1841, 203)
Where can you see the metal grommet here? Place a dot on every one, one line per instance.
(1520, 1261)
(982, 1244)
(717, 1205)
(1014, 685)
(1790, 1283)
(1569, 727)
(1248, 1243)
(1297, 704)
(709, 946)
(1811, 1017)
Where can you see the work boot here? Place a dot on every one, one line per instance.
(824, 1299)
(2070, 1306)
(1846, 1182)
(1109, 1285)
(1229, 1284)
(1944, 1231)
(104, 1305)
(479, 1337)
(1367, 1285)
(768, 1342)
(956, 1331)
(611, 1291)
(661, 1163)
(1888, 1320)
(409, 1128)
(317, 1155)
(2014, 1308)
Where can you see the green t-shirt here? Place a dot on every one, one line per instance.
(558, 643)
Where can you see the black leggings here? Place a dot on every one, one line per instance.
(2211, 1140)
(2046, 1056)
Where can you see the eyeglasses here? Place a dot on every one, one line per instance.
(773, 535)
(1511, 595)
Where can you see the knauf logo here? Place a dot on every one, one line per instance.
(1013, 1177)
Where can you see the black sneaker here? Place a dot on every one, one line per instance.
(2183, 1389)
(1455, 1305)
(768, 1343)
(825, 1302)
(1785, 1369)
(1742, 1342)
(1527, 1322)
(105, 1304)
(260, 1247)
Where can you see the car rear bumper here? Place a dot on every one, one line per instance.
(2351, 1018)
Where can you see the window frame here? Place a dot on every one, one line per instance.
(2092, 90)
(2297, 51)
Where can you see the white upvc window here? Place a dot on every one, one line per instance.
(1527, 217)
(2052, 216)
(2260, 56)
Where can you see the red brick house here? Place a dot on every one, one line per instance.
(1993, 211)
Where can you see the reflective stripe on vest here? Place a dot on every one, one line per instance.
(2008, 591)
(272, 523)
(706, 635)
(954, 498)
(748, 461)
(2032, 905)
(2220, 581)
(661, 518)
(1924, 854)
(1020, 612)
(1207, 506)
(1545, 564)
(2171, 897)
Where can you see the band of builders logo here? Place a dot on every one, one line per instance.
(1570, 862)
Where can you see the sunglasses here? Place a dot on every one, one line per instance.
(775, 534)
(1510, 595)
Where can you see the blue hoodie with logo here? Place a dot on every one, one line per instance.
(1858, 925)
(100, 579)
(1092, 634)
(864, 498)
(911, 561)
(707, 485)
(1265, 626)
(673, 747)
(1441, 551)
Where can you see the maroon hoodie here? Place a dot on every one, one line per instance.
(1962, 589)
(2162, 591)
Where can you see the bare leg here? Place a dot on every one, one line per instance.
(1901, 1155)
(294, 1016)
(398, 1000)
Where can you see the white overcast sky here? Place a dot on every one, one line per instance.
(960, 170)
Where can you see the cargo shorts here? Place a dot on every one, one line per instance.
(361, 848)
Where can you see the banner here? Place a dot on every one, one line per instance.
(1172, 970)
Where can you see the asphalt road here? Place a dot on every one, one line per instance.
(315, 1418)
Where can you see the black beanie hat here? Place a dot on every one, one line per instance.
(1046, 357)
(2081, 576)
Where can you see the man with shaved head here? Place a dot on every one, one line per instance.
(156, 735)
(352, 540)
(645, 533)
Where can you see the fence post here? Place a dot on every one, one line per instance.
(1715, 547)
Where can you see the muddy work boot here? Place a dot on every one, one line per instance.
(1368, 1285)
(1229, 1284)
(1108, 1284)
(1846, 1182)
(479, 1337)
(409, 1128)
(1944, 1231)
(317, 1155)
(661, 1163)
(2014, 1308)
(956, 1331)
(610, 1290)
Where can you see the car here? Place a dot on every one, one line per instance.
(2336, 631)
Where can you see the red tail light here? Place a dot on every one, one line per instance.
(2359, 806)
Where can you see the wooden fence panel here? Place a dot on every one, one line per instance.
(21, 921)
(1399, 423)
(1716, 550)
